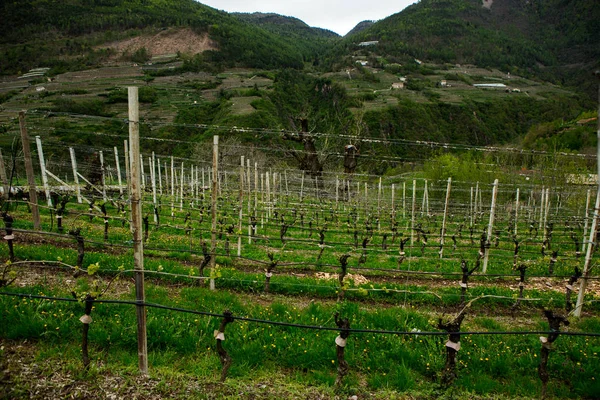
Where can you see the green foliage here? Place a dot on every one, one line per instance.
(141, 55)
(562, 135)
(146, 94)
(88, 107)
(7, 96)
(76, 29)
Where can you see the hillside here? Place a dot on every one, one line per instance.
(552, 40)
(76, 34)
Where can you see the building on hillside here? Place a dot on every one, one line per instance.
(397, 85)
(490, 85)
(582, 179)
(371, 43)
(362, 62)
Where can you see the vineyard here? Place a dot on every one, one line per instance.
(331, 284)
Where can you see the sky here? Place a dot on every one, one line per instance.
(339, 16)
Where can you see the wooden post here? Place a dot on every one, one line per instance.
(393, 204)
(181, 187)
(103, 175)
(425, 194)
(445, 217)
(379, 198)
(585, 222)
(249, 186)
(475, 206)
(35, 212)
(412, 218)
(136, 221)
(545, 214)
(302, 186)
(213, 210)
(255, 187)
(152, 162)
(490, 226)
(239, 252)
(517, 212)
(542, 205)
(268, 183)
(172, 186)
(471, 206)
(159, 176)
(127, 166)
(3, 177)
(118, 165)
(337, 190)
(38, 142)
(75, 177)
(404, 200)
(142, 173)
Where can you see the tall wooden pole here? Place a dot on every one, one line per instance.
(136, 221)
(103, 170)
(118, 165)
(445, 217)
(412, 218)
(127, 166)
(213, 210)
(490, 226)
(38, 142)
(517, 212)
(3, 177)
(587, 216)
(241, 212)
(33, 201)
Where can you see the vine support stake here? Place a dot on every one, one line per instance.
(3, 178)
(490, 226)
(225, 358)
(241, 212)
(213, 198)
(33, 200)
(588, 257)
(118, 165)
(586, 219)
(136, 218)
(443, 232)
(40, 150)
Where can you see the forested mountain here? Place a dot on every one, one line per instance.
(361, 26)
(302, 79)
(73, 33)
(552, 39)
